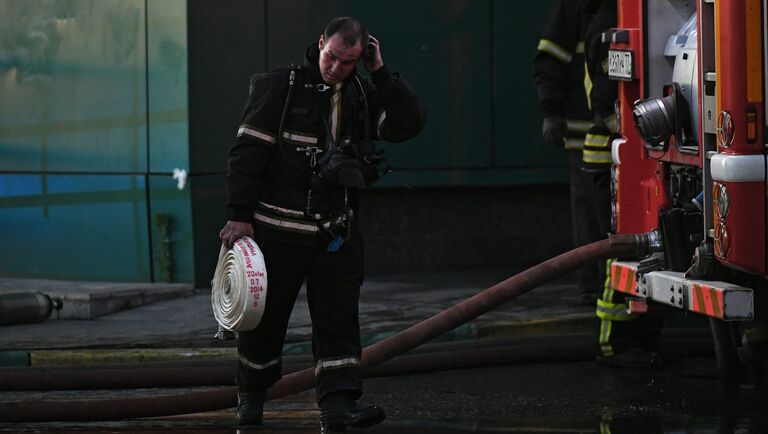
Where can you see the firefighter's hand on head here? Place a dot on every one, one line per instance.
(553, 130)
(372, 55)
(233, 231)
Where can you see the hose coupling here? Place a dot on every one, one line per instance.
(636, 245)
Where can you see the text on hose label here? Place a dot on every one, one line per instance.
(254, 285)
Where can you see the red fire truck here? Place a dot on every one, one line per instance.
(690, 162)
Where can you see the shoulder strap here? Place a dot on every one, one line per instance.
(367, 121)
(291, 84)
(292, 73)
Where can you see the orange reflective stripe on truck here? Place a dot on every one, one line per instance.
(707, 300)
(623, 278)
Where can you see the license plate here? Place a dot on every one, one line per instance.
(620, 65)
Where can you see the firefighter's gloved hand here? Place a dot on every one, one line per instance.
(553, 130)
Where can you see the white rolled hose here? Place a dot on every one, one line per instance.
(239, 286)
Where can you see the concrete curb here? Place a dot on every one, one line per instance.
(40, 358)
(89, 300)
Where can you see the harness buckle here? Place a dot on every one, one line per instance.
(310, 151)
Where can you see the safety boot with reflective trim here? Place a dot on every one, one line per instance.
(338, 411)
(250, 408)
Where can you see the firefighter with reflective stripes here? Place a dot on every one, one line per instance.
(601, 91)
(303, 148)
(626, 340)
(558, 71)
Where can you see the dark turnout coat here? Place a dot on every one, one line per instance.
(271, 179)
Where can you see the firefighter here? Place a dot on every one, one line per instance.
(626, 340)
(302, 150)
(558, 71)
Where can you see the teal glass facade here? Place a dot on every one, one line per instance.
(101, 100)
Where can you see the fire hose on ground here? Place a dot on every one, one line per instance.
(621, 245)
(570, 347)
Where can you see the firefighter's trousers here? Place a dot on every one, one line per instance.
(333, 289)
(590, 216)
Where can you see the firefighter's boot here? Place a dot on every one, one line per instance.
(250, 408)
(339, 410)
(633, 358)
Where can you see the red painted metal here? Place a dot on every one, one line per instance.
(640, 191)
(746, 222)
(673, 155)
(641, 173)
(732, 66)
(623, 278)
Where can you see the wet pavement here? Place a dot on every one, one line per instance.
(574, 395)
(387, 305)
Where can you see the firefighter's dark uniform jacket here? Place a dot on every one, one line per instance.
(558, 70)
(271, 183)
(601, 90)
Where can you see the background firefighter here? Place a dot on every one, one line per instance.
(558, 71)
(626, 340)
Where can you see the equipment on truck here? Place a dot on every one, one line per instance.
(690, 163)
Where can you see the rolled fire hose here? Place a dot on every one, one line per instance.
(239, 286)
(622, 245)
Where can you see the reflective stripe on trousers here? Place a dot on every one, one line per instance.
(336, 363)
(608, 312)
(257, 366)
